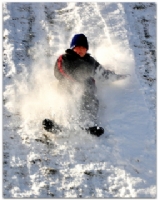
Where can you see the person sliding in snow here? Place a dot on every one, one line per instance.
(77, 66)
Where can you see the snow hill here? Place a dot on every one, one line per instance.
(119, 164)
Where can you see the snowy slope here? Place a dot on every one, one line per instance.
(122, 162)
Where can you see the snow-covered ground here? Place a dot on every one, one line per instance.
(122, 162)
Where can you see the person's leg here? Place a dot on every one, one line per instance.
(90, 103)
(90, 106)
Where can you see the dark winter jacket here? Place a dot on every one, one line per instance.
(73, 68)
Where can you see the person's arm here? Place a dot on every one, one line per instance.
(57, 73)
(59, 70)
(104, 74)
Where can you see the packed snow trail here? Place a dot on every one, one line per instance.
(122, 162)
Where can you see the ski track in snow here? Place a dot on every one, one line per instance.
(122, 162)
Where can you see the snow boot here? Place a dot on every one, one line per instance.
(95, 130)
(50, 126)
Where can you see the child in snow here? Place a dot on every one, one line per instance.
(77, 66)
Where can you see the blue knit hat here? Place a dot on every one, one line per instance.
(79, 40)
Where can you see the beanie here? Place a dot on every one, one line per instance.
(79, 40)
